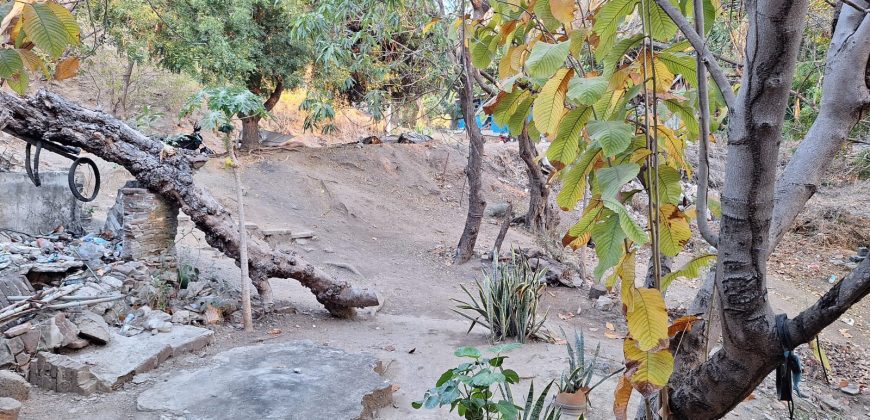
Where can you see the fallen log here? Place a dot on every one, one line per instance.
(169, 172)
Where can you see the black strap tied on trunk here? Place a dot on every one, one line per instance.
(788, 374)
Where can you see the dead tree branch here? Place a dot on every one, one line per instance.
(50, 117)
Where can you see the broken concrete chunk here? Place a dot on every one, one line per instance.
(155, 320)
(57, 332)
(18, 330)
(181, 316)
(93, 327)
(102, 369)
(604, 303)
(9, 408)
(12, 385)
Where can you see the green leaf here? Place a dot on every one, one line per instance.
(690, 270)
(467, 352)
(481, 55)
(686, 113)
(613, 136)
(519, 118)
(586, 91)
(10, 63)
(612, 179)
(543, 12)
(680, 63)
(50, 26)
(566, 146)
(670, 190)
(545, 59)
(661, 25)
(608, 237)
(487, 377)
(574, 181)
(628, 225)
(607, 21)
(19, 82)
(507, 105)
(614, 55)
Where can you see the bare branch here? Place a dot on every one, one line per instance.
(829, 307)
(845, 97)
(489, 89)
(700, 45)
(704, 120)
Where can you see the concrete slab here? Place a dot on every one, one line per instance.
(102, 369)
(38, 210)
(294, 380)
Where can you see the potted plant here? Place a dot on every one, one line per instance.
(574, 383)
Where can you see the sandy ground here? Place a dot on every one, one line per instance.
(393, 212)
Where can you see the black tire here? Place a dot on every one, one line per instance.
(71, 178)
(32, 165)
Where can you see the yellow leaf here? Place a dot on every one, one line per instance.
(820, 355)
(648, 318)
(682, 324)
(67, 68)
(549, 106)
(648, 371)
(11, 18)
(563, 11)
(674, 230)
(431, 24)
(621, 397)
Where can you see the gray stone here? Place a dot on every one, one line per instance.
(18, 330)
(497, 209)
(7, 359)
(851, 389)
(155, 320)
(9, 408)
(604, 303)
(259, 381)
(831, 403)
(93, 327)
(181, 316)
(102, 369)
(12, 385)
(31, 340)
(39, 209)
(112, 282)
(596, 291)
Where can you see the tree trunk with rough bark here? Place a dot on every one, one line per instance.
(250, 133)
(169, 173)
(752, 222)
(474, 169)
(541, 215)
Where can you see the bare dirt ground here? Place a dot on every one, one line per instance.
(394, 212)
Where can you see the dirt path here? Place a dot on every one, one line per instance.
(392, 212)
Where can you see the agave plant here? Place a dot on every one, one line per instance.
(506, 302)
(578, 377)
(537, 411)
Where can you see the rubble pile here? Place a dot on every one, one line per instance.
(66, 300)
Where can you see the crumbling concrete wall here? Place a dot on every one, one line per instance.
(38, 210)
(146, 225)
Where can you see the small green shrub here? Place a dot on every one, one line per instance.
(468, 389)
(507, 301)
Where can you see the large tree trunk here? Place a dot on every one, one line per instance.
(474, 169)
(169, 172)
(250, 133)
(251, 124)
(541, 216)
(751, 345)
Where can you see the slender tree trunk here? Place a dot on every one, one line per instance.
(247, 318)
(541, 216)
(127, 79)
(474, 169)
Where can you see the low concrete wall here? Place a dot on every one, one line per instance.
(27, 208)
